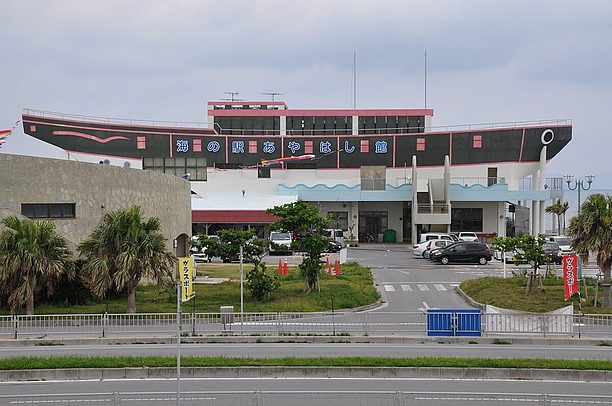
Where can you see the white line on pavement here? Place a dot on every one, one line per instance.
(389, 288)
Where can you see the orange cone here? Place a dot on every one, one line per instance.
(280, 267)
(285, 268)
(337, 268)
(328, 266)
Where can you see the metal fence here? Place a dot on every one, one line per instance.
(321, 323)
(298, 398)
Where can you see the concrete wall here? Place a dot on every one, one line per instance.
(95, 190)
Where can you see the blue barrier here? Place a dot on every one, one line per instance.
(461, 322)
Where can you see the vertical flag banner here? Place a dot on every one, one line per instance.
(570, 275)
(186, 275)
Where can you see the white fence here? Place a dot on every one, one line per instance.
(322, 323)
(297, 398)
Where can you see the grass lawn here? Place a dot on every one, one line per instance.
(354, 288)
(509, 293)
(169, 362)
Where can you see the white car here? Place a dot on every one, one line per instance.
(436, 236)
(436, 245)
(418, 250)
(280, 242)
(467, 236)
(563, 241)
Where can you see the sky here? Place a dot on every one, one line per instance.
(487, 62)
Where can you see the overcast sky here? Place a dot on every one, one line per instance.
(488, 61)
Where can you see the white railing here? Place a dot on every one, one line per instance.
(318, 323)
(311, 398)
(432, 208)
(115, 120)
(484, 181)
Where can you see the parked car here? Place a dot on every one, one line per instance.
(464, 252)
(435, 254)
(202, 254)
(334, 246)
(336, 235)
(563, 241)
(280, 242)
(418, 250)
(435, 245)
(436, 236)
(467, 236)
(553, 251)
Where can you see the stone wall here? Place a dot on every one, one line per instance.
(95, 189)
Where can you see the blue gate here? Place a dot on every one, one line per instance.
(461, 322)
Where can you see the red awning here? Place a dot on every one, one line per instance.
(232, 216)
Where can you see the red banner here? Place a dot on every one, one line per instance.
(570, 275)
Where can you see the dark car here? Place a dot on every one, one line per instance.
(464, 252)
(334, 246)
(435, 255)
(552, 250)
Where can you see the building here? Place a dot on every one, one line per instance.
(76, 195)
(370, 170)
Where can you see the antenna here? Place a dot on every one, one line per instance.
(354, 80)
(272, 94)
(233, 96)
(425, 78)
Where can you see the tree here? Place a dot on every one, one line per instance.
(304, 220)
(529, 249)
(505, 244)
(556, 209)
(563, 208)
(122, 250)
(591, 230)
(33, 258)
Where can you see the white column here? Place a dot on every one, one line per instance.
(355, 125)
(414, 199)
(542, 218)
(542, 179)
(283, 125)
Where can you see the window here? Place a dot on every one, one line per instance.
(466, 220)
(263, 172)
(48, 210)
(477, 141)
(338, 220)
(195, 167)
(141, 142)
(420, 144)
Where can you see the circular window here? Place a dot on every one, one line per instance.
(547, 136)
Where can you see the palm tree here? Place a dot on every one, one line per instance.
(122, 250)
(33, 257)
(555, 209)
(591, 230)
(563, 208)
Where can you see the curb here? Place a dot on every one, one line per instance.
(248, 339)
(307, 372)
(468, 299)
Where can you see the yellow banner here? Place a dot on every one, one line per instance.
(186, 275)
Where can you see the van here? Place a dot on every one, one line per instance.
(563, 241)
(336, 235)
(436, 236)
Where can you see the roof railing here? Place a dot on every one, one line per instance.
(346, 131)
(114, 120)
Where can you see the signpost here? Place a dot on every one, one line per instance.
(184, 292)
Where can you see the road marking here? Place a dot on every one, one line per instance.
(406, 288)
(389, 288)
(440, 287)
(423, 288)
(454, 285)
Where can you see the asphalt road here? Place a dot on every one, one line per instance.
(313, 385)
(268, 350)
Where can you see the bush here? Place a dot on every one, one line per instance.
(260, 283)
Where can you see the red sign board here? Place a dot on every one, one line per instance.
(570, 275)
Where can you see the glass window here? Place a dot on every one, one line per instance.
(41, 211)
(55, 211)
(469, 219)
(68, 210)
(338, 219)
(27, 210)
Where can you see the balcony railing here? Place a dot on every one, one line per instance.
(484, 181)
(549, 184)
(432, 208)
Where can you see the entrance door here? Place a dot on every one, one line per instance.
(491, 176)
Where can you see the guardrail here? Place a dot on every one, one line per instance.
(321, 323)
(273, 398)
(432, 208)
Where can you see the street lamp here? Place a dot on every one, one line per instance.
(578, 184)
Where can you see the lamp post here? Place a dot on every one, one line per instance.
(578, 184)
